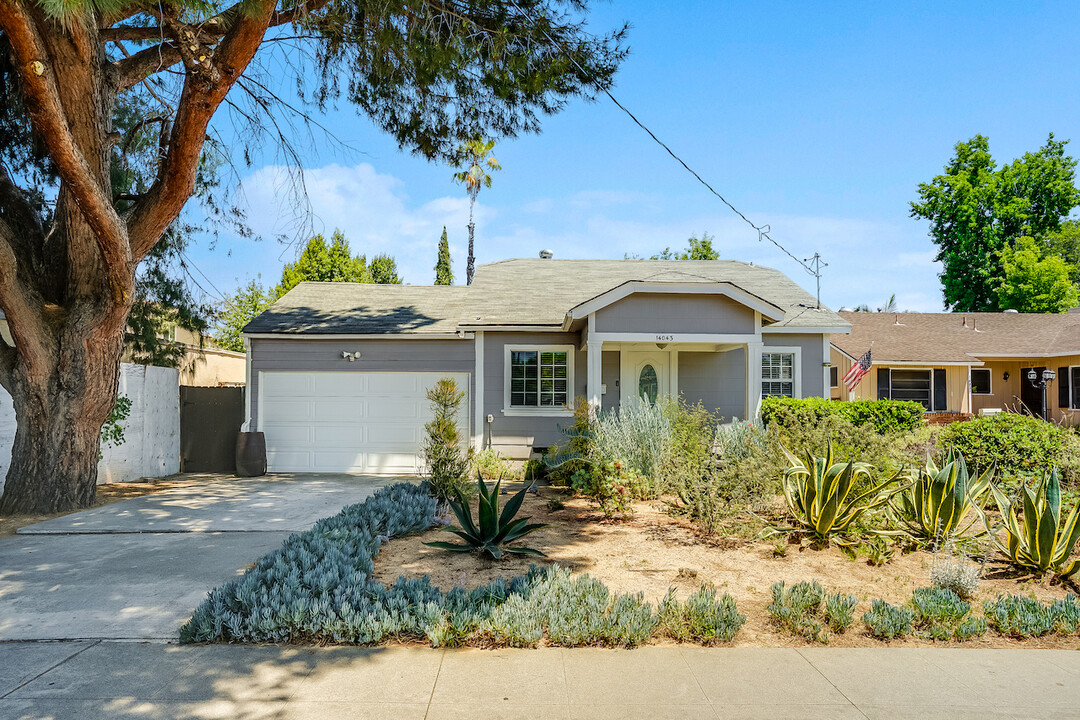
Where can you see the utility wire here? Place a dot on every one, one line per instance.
(763, 231)
(184, 262)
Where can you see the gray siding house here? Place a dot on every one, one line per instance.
(337, 372)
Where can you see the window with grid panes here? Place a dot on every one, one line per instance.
(538, 378)
(778, 375)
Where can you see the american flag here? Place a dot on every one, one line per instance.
(858, 369)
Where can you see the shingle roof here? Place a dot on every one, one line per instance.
(542, 291)
(354, 308)
(958, 337)
(517, 292)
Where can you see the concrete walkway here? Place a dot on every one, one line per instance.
(136, 680)
(137, 568)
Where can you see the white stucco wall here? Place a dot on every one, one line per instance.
(151, 432)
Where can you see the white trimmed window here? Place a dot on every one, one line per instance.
(539, 378)
(834, 377)
(981, 382)
(1074, 387)
(778, 374)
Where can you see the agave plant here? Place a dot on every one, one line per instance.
(819, 494)
(1040, 541)
(934, 506)
(492, 531)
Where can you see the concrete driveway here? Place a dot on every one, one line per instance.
(137, 568)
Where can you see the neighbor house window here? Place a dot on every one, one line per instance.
(927, 387)
(834, 377)
(980, 381)
(539, 378)
(778, 374)
(1074, 387)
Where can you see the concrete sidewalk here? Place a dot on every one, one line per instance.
(91, 680)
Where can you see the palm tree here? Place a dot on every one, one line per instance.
(476, 155)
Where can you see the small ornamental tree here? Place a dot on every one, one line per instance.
(447, 462)
(444, 273)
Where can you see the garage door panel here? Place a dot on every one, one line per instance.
(348, 421)
(288, 384)
(341, 384)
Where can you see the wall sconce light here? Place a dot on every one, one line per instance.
(661, 346)
(1005, 376)
(351, 357)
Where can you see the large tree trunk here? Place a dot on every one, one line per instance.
(54, 459)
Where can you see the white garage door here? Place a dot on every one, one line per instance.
(355, 422)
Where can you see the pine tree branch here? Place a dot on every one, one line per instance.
(47, 116)
(206, 84)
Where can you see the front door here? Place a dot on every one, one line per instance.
(1031, 396)
(646, 375)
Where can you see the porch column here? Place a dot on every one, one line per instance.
(592, 382)
(753, 379)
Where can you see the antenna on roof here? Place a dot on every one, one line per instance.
(815, 270)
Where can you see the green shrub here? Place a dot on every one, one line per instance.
(577, 451)
(447, 462)
(840, 611)
(1066, 614)
(1017, 616)
(1014, 444)
(888, 621)
(884, 417)
(612, 486)
(637, 435)
(941, 614)
(701, 619)
(935, 505)
(798, 609)
(493, 466)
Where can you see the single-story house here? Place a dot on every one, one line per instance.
(964, 364)
(337, 372)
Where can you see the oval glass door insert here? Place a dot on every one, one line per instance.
(648, 384)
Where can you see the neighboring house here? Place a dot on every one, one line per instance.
(964, 363)
(203, 364)
(338, 372)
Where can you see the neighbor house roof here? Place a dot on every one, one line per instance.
(958, 337)
(540, 292)
(336, 308)
(511, 293)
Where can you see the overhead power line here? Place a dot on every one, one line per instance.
(764, 231)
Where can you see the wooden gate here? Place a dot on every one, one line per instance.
(210, 419)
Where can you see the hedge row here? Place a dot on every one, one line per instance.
(884, 416)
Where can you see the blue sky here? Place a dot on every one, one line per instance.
(819, 120)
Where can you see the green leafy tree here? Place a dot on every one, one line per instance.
(444, 273)
(1035, 282)
(1065, 243)
(475, 159)
(384, 270)
(696, 249)
(320, 262)
(431, 74)
(238, 310)
(976, 210)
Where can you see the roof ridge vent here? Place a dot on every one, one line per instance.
(546, 254)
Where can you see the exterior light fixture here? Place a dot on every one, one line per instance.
(661, 346)
(1005, 376)
(1040, 383)
(351, 357)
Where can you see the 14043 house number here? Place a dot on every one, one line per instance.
(665, 338)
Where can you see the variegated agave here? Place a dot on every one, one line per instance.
(492, 530)
(934, 506)
(819, 493)
(1039, 541)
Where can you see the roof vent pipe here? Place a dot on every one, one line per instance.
(964, 324)
(546, 254)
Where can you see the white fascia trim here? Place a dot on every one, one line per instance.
(843, 353)
(674, 338)
(1024, 355)
(509, 411)
(790, 330)
(629, 288)
(360, 336)
(515, 328)
(926, 364)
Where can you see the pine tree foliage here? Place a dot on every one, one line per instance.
(444, 273)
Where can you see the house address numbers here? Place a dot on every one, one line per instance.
(665, 338)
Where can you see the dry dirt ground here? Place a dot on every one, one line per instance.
(652, 551)
(107, 494)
